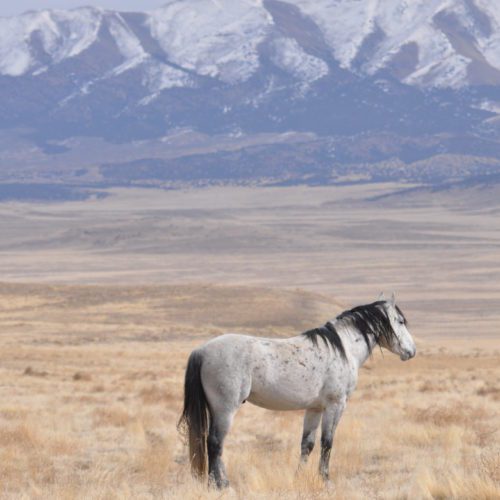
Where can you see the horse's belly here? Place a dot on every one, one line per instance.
(277, 404)
(283, 396)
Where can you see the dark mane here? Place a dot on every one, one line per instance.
(329, 335)
(370, 319)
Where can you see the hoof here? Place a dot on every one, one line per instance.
(327, 481)
(219, 484)
(301, 466)
(222, 484)
(329, 486)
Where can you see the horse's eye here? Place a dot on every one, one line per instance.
(401, 322)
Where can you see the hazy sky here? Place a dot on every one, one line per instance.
(10, 8)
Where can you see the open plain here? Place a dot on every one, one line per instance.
(101, 302)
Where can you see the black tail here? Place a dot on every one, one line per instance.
(195, 417)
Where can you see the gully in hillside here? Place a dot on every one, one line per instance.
(316, 371)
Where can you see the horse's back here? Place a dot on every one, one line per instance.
(231, 347)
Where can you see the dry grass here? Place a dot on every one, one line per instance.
(441, 255)
(91, 376)
(87, 414)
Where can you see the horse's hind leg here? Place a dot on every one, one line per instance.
(311, 423)
(224, 400)
(219, 427)
(226, 384)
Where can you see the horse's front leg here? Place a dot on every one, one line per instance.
(312, 419)
(331, 417)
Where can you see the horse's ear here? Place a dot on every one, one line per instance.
(393, 299)
(381, 297)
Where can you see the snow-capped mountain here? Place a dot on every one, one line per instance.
(328, 67)
(434, 43)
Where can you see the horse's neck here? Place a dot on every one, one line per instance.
(356, 345)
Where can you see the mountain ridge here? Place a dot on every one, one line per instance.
(220, 38)
(425, 73)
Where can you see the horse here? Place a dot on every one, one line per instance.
(316, 371)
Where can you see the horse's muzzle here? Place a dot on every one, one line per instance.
(405, 356)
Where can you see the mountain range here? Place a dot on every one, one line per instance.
(204, 91)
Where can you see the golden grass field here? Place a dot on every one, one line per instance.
(102, 302)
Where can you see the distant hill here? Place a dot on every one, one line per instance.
(264, 91)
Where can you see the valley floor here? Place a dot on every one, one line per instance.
(440, 252)
(91, 389)
(102, 301)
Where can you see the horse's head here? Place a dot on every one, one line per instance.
(400, 342)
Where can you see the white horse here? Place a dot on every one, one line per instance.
(316, 371)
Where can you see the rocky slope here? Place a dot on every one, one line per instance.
(426, 69)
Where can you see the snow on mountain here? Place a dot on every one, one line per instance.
(363, 78)
(128, 44)
(395, 24)
(423, 42)
(489, 41)
(289, 56)
(328, 66)
(158, 77)
(216, 38)
(344, 23)
(60, 34)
